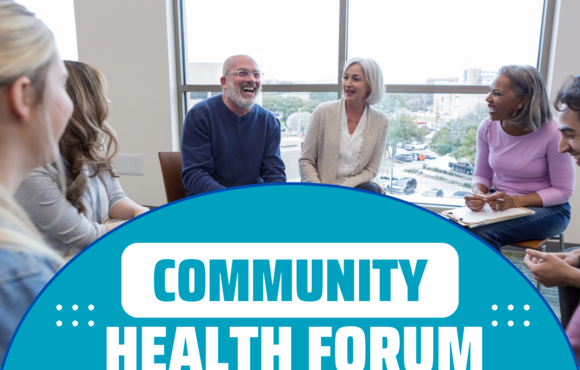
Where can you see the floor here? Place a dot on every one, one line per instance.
(550, 294)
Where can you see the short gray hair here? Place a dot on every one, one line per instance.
(527, 80)
(374, 76)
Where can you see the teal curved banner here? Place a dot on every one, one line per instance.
(289, 276)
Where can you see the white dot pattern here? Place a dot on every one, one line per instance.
(75, 323)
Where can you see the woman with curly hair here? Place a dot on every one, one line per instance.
(95, 202)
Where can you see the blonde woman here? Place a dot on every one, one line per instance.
(346, 138)
(34, 110)
(94, 198)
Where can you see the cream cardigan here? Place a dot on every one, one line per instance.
(319, 156)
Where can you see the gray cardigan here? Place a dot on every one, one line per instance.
(59, 222)
(319, 157)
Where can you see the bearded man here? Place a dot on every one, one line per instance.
(227, 139)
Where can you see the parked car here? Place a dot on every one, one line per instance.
(429, 154)
(415, 146)
(404, 157)
(433, 192)
(459, 194)
(385, 182)
(464, 167)
(406, 185)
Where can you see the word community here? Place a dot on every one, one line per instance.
(353, 349)
(307, 285)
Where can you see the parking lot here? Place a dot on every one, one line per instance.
(424, 183)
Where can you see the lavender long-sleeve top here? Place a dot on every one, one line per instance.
(519, 165)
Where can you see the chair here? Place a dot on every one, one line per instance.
(540, 245)
(171, 172)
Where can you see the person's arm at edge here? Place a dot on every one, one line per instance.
(196, 157)
(309, 154)
(551, 270)
(272, 168)
(127, 209)
(120, 206)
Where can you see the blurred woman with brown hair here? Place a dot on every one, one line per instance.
(95, 202)
(34, 110)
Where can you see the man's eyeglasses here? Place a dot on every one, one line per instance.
(243, 73)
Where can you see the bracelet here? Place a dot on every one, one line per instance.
(514, 199)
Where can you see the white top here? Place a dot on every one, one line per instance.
(350, 147)
(97, 201)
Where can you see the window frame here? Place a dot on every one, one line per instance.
(183, 88)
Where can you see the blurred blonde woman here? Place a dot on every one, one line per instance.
(34, 110)
(95, 202)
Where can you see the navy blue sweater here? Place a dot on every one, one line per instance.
(220, 149)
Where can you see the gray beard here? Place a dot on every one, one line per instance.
(233, 93)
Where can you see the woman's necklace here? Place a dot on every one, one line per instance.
(352, 124)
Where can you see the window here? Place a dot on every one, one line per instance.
(426, 142)
(436, 73)
(59, 16)
(296, 42)
(402, 36)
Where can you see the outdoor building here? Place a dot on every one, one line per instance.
(475, 76)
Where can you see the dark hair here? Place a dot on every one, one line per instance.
(569, 96)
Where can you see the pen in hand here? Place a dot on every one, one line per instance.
(485, 196)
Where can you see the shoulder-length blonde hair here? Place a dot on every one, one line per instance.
(27, 48)
(88, 139)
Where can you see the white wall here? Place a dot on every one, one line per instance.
(131, 42)
(564, 61)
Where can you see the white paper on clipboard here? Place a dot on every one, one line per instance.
(471, 219)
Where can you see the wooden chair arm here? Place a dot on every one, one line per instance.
(532, 244)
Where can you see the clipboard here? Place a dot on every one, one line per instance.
(470, 219)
